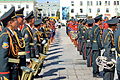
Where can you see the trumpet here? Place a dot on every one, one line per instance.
(27, 73)
(103, 62)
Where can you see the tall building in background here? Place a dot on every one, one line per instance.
(28, 5)
(88, 8)
(48, 8)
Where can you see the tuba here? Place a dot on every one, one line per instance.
(27, 73)
(42, 56)
(35, 64)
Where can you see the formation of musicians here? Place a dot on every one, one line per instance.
(98, 41)
(24, 42)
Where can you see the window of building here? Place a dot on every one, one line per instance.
(54, 5)
(91, 3)
(72, 4)
(72, 1)
(100, 3)
(44, 14)
(107, 10)
(88, 3)
(90, 10)
(81, 3)
(108, 2)
(114, 2)
(53, 14)
(48, 14)
(12, 5)
(19, 6)
(72, 10)
(5, 6)
(27, 6)
(27, 12)
(96, 2)
(117, 2)
(98, 9)
(81, 10)
(105, 3)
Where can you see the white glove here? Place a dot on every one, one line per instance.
(27, 60)
(44, 41)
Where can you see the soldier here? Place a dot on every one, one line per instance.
(28, 35)
(90, 24)
(37, 37)
(117, 46)
(79, 36)
(109, 46)
(9, 47)
(96, 44)
(20, 19)
(83, 42)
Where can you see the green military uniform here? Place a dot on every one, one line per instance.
(9, 49)
(88, 42)
(28, 36)
(96, 45)
(108, 41)
(117, 46)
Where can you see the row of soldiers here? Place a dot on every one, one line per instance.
(24, 43)
(99, 44)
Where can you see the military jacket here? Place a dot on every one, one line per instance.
(28, 36)
(96, 38)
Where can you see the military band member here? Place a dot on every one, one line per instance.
(28, 36)
(9, 47)
(90, 24)
(96, 44)
(109, 46)
(83, 42)
(117, 46)
(37, 37)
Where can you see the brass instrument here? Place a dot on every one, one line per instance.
(27, 73)
(102, 62)
(35, 64)
(42, 56)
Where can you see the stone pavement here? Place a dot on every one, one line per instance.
(64, 62)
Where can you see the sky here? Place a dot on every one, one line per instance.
(46, 0)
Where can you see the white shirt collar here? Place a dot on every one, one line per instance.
(11, 31)
(110, 30)
(36, 29)
(28, 26)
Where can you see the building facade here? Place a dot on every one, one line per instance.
(89, 8)
(48, 8)
(28, 5)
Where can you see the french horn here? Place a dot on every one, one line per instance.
(103, 62)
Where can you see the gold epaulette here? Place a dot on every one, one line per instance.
(3, 34)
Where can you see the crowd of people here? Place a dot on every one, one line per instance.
(98, 41)
(24, 42)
